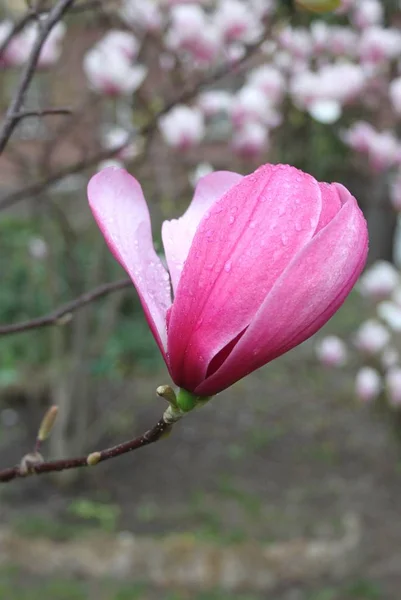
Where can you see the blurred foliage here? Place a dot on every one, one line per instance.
(28, 285)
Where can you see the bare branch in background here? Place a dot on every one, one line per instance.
(42, 113)
(63, 312)
(187, 94)
(14, 109)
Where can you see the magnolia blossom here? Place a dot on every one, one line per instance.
(390, 313)
(325, 111)
(331, 351)
(379, 281)
(372, 337)
(183, 127)
(20, 47)
(390, 358)
(146, 15)
(213, 102)
(342, 41)
(236, 21)
(395, 191)
(116, 137)
(338, 82)
(378, 44)
(269, 80)
(395, 94)
(368, 384)
(108, 65)
(393, 386)
(297, 41)
(192, 30)
(382, 147)
(257, 265)
(250, 140)
(251, 104)
(367, 13)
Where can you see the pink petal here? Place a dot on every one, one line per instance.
(331, 204)
(240, 248)
(120, 210)
(307, 294)
(178, 234)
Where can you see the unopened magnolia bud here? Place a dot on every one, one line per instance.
(319, 6)
(28, 463)
(47, 423)
(93, 459)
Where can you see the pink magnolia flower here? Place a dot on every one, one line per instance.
(379, 44)
(257, 265)
(236, 21)
(379, 281)
(368, 13)
(250, 140)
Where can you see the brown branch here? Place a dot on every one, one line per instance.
(10, 120)
(36, 188)
(33, 464)
(64, 312)
(41, 113)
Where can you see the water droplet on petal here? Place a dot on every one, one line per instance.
(284, 239)
(227, 266)
(231, 219)
(252, 224)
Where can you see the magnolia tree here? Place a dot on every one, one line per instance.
(374, 349)
(179, 91)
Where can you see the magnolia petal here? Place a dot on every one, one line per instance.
(307, 294)
(331, 203)
(242, 245)
(120, 210)
(178, 234)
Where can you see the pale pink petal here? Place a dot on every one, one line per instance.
(307, 294)
(120, 210)
(178, 234)
(242, 245)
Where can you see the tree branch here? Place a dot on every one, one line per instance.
(36, 188)
(10, 120)
(33, 464)
(64, 312)
(41, 113)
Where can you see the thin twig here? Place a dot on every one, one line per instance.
(10, 121)
(36, 188)
(41, 113)
(62, 314)
(32, 464)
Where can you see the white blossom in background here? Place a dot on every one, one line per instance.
(371, 337)
(144, 14)
(250, 104)
(395, 94)
(269, 80)
(110, 65)
(214, 102)
(236, 21)
(20, 47)
(367, 13)
(390, 357)
(368, 384)
(390, 314)
(37, 248)
(378, 45)
(331, 351)
(250, 140)
(193, 32)
(114, 137)
(201, 170)
(393, 386)
(379, 281)
(395, 191)
(183, 127)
